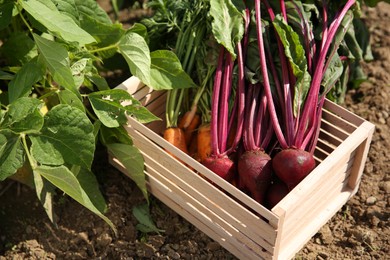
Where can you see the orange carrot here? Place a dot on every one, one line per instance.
(175, 136)
(188, 117)
(184, 121)
(191, 129)
(204, 141)
(193, 147)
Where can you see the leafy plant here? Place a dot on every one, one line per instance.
(55, 105)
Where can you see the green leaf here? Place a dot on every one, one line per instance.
(78, 71)
(133, 161)
(65, 180)
(90, 185)
(345, 26)
(56, 22)
(105, 34)
(24, 116)
(21, 85)
(45, 191)
(98, 80)
(111, 109)
(142, 214)
(69, 98)
(332, 73)
(56, 58)
(115, 135)
(66, 137)
(6, 8)
(11, 153)
(19, 49)
(135, 50)
(227, 24)
(5, 75)
(167, 72)
(140, 29)
(78, 8)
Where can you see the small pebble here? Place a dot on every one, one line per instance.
(386, 186)
(371, 200)
(382, 121)
(213, 246)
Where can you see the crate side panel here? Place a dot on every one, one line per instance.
(340, 157)
(315, 202)
(238, 215)
(166, 195)
(206, 212)
(361, 156)
(132, 85)
(219, 235)
(310, 228)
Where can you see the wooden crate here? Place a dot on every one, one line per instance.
(230, 217)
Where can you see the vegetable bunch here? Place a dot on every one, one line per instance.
(276, 62)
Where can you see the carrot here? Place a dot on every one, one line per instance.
(187, 118)
(204, 141)
(193, 146)
(175, 136)
(191, 129)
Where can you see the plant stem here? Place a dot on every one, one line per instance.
(215, 103)
(267, 87)
(30, 158)
(224, 104)
(106, 48)
(23, 19)
(310, 107)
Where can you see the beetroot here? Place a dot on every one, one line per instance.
(293, 165)
(222, 166)
(254, 168)
(275, 193)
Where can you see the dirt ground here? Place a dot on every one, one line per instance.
(360, 230)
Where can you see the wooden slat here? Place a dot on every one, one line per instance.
(338, 121)
(157, 105)
(328, 137)
(361, 156)
(320, 154)
(334, 130)
(141, 93)
(149, 98)
(132, 85)
(342, 112)
(326, 146)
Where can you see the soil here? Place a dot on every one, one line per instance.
(360, 230)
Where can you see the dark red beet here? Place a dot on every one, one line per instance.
(275, 193)
(293, 165)
(254, 168)
(222, 166)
